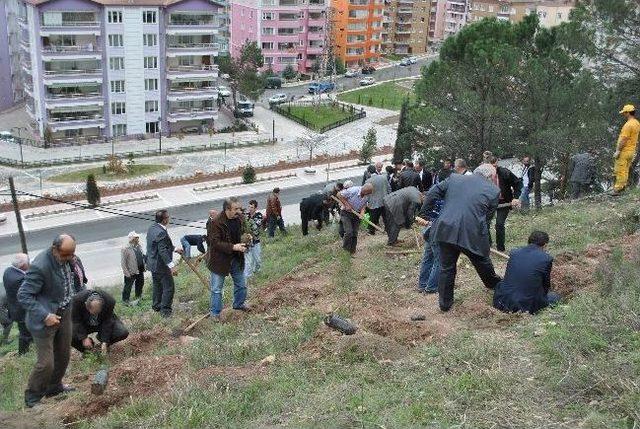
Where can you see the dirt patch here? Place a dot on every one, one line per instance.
(140, 343)
(292, 292)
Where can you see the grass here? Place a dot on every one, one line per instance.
(388, 95)
(135, 170)
(319, 116)
(576, 365)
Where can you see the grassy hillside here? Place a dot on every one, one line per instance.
(577, 365)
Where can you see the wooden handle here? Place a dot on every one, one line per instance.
(193, 325)
(198, 273)
(499, 253)
(361, 217)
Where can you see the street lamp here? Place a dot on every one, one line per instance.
(20, 143)
(160, 135)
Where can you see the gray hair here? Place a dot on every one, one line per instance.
(486, 171)
(94, 296)
(460, 163)
(20, 260)
(347, 184)
(57, 242)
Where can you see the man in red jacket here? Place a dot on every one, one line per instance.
(274, 213)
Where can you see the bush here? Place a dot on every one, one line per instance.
(238, 126)
(248, 174)
(369, 144)
(359, 98)
(93, 193)
(370, 102)
(289, 72)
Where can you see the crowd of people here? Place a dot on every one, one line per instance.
(48, 299)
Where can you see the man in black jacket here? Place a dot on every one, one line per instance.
(426, 180)
(510, 188)
(92, 311)
(12, 279)
(409, 176)
(311, 208)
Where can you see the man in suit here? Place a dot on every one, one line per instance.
(312, 208)
(45, 295)
(12, 279)
(527, 279)
(160, 262)
(582, 173)
(409, 176)
(92, 311)
(426, 180)
(375, 206)
(370, 171)
(462, 226)
(510, 188)
(444, 172)
(398, 207)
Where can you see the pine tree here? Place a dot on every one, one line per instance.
(93, 193)
(369, 144)
(402, 149)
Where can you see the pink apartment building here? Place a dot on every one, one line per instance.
(290, 32)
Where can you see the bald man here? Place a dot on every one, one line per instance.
(353, 199)
(46, 295)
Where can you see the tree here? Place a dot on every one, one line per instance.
(289, 72)
(340, 67)
(48, 137)
(244, 77)
(403, 146)
(315, 66)
(248, 174)
(311, 142)
(269, 72)
(369, 145)
(92, 191)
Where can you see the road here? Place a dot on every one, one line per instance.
(344, 83)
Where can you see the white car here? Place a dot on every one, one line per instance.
(277, 99)
(413, 60)
(224, 75)
(223, 91)
(351, 73)
(367, 81)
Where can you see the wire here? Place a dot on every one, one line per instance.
(114, 211)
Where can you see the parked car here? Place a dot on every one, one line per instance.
(224, 75)
(367, 81)
(368, 69)
(405, 62)
(223, 91)
(351, 73)
(273, 82)
(243, 109)
(7, 136)
(413, 59)
(278, 99)
(321, 87)
(3, 218)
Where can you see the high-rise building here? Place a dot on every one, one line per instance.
(406, 26)
(10, 70)
(356, 30)
(289, 32)
(513, 11)
(552, 13)
(447, 18)
(108, 68)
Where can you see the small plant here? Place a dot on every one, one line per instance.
(370, 102)
(115, 165)
(93, 193)
(369, 144)
(359, 98)
(248, 174)
(130, 161)
(289, 72)
(382, 103)
(104, 169)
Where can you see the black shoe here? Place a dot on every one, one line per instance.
(244, 308)
(31, 399)
(63, 388)
(445, 308)
(430, 291)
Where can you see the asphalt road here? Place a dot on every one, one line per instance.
(115, 227)
(344, 83)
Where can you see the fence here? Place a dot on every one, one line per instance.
(135, 154)
(355, 113)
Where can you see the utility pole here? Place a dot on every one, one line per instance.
(273, 130)
(160, 135)
(16, 210)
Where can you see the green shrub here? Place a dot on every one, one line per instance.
(248, 174)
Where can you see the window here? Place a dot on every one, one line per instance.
(268, 16)
(186, 61)
(115, 40)
(152, 127)
(119, 130)
(151, 84)
(149, 17)
(268, 31)
(149, 39)
(151, 106)
(114, 17)
(117, 86)
(118, 108)
(116, 63)
(150, 62)
(267, 46)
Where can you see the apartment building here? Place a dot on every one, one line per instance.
(97, 69)
(356, 30)
(552, 13)
(506, 10)
(446, 18)
(290, 32)
(406, 26)
(11, 90)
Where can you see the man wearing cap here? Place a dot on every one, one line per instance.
(132, 261)
(92, 311)
(626, 148)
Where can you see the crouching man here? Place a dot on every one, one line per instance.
(528, 278)
(93, 312)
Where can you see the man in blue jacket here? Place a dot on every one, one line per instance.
(528, 278)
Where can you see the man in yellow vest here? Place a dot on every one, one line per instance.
(626, 148)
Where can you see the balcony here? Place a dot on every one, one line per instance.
(60, 52)
(405, 11)
(193, 113)
(73, 76)
(175, 49)
(318, 50)
(193, 93)
(194, 71)
(70, 28)
(70, 122)
(185, 24)
(53, 101)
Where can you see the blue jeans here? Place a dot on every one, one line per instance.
(239, 288)
(430, 267)
(524, 198)
(186, 246)
(272, 222)
(252, 260)
(552, 298)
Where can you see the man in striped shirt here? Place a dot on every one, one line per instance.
(353, 199)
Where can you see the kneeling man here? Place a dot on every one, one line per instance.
(93, 312)
(528, 278)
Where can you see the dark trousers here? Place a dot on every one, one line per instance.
(53, 351)
(24, 338)
(138, 279)
(351, 224)
(118, 333)
(579, 190)
(391, 228)
(449, 254)
(307, 216)
(501, 219)
(272, 223)
(162, 293)
(374, 217)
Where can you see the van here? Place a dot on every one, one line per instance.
(243, 109)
